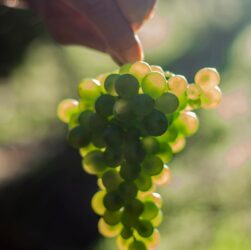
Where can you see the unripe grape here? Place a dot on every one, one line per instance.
(164, 177)
(167, 103)
(98, 139)
(113, 136)
(107, 230)
(126, 233)
(74, 120)
(104, 105)
(144, 228)
(100, 184)
(152, 165)
(111, 180)
(193, 91)
(97, 202)
(178, 84)
(127, 86)
(189, 123)
(143, 182)
(155, 123)
(113, 201)
(158, 219)
(207, 78)
(165, 153)
(156, 68)
(110, 83)
(142, 105)
(150, 210)
(89, 90)
(128, 190)
(98, 123)
(122, 243)
(154, 240)
(178, 145)
(154, 197)
(169, 74)
(101, 78)
(134, 152)
(85, 150)
(154, 84)
(150, 145)
(113, 156)
(66, 109)
(93, 163)
(137, 245)
(123, 110)
(140, 69)
(85, 120)
(128, 219)
(211, 98)
(78, 137)
(112, 217)
(130, 171)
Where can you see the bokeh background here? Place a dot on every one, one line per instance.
(45, 195)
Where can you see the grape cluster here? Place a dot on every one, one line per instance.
(127, 125)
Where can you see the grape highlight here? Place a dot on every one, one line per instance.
(127, 126)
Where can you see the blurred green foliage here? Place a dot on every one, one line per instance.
(207, 206)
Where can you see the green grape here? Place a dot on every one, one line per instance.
(127, 86)
(122, 243)
(108, 230)
(113, 156)
(193, 92)
(104, 105)
(155, 198)
(74, 120)
(140, 69)
(137, 245)
(85, 150)
(128, 190)
(194, 104)
(143, 182)
(97, 202)
(84, 120)
(125, 68)
(78, 137)
(130, 171)
(211, 98)
(132, 135)
(126, 233)
(154, 84)
(170, 135)
(134, 152)
(134, 207)
(93, 163)
(112, 217)
(123, 110)
(129, 220)
(178, 145)
(113, 136)
(98, 123)
(165, 153)
(158, 219)
(155, 123)
(142, 105)
(188, 123)
(167, 103)
(183, 101)
(150, 145)
(152, 165)
(144, 228)
(164, 177)
(178, 84)
(154, 240)
(157, 68)
(66, 109)
(111, 180)
(113, 201)
(89, 90)
(98, 139)
(110, 83)
(150, 210)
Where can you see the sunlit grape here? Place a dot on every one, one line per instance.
(178, 145)
(66, 109)
(150, 210)
(108, 230)
(164, 177)
(154, 197)
(100, 184)
(154, 84)
(157, 69)
(150, 145)
(93, 163)
(143, 182)
(207, 78)
(211, 98)
(193, 91)
(177, 84)
(74, 121)
(126, 86)
(140, 69)
(165, 152)
(169, 74)
(152, 165)
(154, 240)
(89, 90)
(167, 103)
(122, 243)
(109, 83)
(97, 202)
(101, 78)
(189, 122)
(85, 150)
(158, 219)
